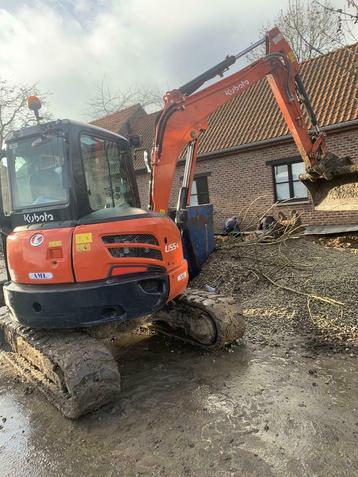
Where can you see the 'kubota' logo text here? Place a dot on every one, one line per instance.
(236, 88)
(35, 218)
(170, 247)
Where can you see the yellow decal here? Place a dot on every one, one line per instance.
(83, 247)
(84, 238)
(291, 56)
(162, 211)
(55, 243)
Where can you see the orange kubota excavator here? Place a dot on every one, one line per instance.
(81, 253)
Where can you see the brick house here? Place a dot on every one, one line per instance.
(247, 161)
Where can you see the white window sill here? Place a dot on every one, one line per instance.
(290, 203)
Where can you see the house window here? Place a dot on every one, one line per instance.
(287, 183)
(199, 191)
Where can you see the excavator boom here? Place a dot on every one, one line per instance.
(332, 181)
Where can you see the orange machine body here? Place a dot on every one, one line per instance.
(89, 253)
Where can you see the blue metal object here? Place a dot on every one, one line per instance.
(198, 240)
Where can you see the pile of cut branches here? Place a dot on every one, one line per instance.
(289, 282)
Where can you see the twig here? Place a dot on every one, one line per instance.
(310, 314)
(248, 208)
(328, 300)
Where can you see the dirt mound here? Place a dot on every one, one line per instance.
(295, 285)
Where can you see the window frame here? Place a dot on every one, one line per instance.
(286, 162)
(200, 175)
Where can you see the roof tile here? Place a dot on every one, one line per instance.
(117, 121)
(254, 116)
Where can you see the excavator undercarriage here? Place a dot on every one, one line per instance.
(77, 372)
(203, 319)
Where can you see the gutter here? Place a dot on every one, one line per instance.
(266, 142)
(274, 140)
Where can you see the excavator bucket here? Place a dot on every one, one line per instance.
(335, 187)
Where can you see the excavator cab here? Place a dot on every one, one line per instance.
(64, 170)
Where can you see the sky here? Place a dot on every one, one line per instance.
(69, 46)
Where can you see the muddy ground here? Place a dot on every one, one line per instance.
(283, 409)
(283, 402)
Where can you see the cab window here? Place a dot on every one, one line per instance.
(107, 173)
(36, 169)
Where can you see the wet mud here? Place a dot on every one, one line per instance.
(284, 409)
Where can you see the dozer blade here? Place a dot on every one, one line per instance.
(333, 184)
(208, 320)
(75, 372)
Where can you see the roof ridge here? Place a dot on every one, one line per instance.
(148, 115)
(154, 112)
(106, 116)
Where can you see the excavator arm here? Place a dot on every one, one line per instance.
(185, 118)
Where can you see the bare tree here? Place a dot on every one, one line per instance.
(14, 112)
(314, 27)
(347, 19)
(311, 28)
(106, 101)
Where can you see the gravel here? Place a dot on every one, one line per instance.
(295, 286)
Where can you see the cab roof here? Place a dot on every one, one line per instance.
(58, 123)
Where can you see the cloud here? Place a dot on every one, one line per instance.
(68, 46)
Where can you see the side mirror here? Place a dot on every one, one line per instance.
(135, 141)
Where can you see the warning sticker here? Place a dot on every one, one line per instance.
(83, 247)
(84, 238)
(55, 243)
(291, 56)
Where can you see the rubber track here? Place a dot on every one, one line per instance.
(223, 312)
(75, 372)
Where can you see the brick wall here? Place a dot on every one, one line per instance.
(244, 179)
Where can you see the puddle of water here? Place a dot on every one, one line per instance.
(254, 411)
(13, 435)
